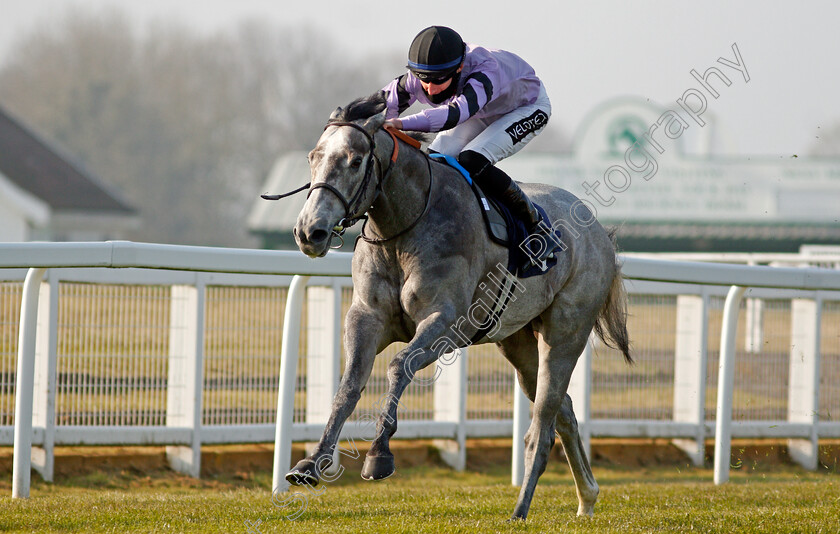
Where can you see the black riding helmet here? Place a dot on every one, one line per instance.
(436, 53)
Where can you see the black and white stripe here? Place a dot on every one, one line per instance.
(403, 96)
(453, 117)
(473, 101)
(485, 82)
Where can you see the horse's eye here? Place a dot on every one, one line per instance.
(356, 163)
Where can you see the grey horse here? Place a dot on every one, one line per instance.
(423, 261)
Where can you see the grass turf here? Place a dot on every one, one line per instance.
(433, 499)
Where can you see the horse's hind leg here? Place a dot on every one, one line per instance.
(520, 349)
(585, 484)
(540, 435)
(556, 363)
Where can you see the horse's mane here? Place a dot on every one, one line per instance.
(366, 107)
(361, 108)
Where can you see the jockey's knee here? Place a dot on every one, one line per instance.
(492, 179)
(474, 162)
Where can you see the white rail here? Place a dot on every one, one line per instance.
(636, 269)
(41, 256)
(38, 257)
(807, 256)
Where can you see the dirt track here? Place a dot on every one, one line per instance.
(232, 459)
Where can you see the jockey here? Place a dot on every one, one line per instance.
(487, 105)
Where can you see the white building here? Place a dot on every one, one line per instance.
(669, 192)
(631, 165)
(46, 197)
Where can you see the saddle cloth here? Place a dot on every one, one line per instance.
(502, 227)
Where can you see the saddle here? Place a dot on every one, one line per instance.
(502, 227)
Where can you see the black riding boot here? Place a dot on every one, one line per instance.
(518, 202)
(539, 230)
(497, 183)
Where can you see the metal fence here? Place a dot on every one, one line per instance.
(117, 345)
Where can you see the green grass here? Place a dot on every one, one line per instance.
(433, 499)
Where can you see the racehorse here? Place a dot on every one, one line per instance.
(423, 260)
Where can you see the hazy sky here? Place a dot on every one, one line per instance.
(585, 52)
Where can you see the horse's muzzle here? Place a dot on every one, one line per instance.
(314, 242)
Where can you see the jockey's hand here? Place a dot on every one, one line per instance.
(394, 123)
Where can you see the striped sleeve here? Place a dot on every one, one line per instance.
(477, 91)
(399, 98)
(480, 82)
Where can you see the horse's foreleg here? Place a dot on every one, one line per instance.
(418, 354)
(363, 333)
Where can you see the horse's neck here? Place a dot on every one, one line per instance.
(404, 194)
(453, 224)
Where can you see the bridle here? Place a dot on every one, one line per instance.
(395, 135)
(352, 206)
(353, 212)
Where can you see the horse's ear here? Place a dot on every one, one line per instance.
(335, 113)
(375, 122)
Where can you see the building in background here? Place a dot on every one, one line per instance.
(46, 197)
(653, 172)
(272, 221)
(675, 194)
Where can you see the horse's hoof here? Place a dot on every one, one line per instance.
(303, 474)
(378, 467)
(515, 519)
(586, 511)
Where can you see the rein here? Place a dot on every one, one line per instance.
(266, 196)
(352, 205)
(380, 240)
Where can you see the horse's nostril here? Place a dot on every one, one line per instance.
(318, 235)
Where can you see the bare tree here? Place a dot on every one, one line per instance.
(184, 126)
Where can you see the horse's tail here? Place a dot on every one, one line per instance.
(611, 325)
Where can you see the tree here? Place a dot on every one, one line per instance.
(185, 127)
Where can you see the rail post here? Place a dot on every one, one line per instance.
(450, 405)
(803, 391)
(22, 460)
(44, 380)
(521, 422)
(186, 375)
(690, 356)
(289, 354)
(323, 357)
(726, 383)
